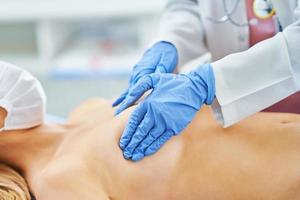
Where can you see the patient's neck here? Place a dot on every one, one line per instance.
(29, 150)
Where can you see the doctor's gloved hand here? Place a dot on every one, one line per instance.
(166, 111)
(162, 57)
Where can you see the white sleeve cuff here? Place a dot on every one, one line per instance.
(250, 81)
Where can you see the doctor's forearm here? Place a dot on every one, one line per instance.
(250, 81)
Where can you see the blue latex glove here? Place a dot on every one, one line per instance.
(165, 112)
(162, 57)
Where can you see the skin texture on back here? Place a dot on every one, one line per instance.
(258, 158)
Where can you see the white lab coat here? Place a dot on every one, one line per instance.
(247, 80)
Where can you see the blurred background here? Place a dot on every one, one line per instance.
(78, 49)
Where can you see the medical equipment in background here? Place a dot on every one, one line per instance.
(22, 96)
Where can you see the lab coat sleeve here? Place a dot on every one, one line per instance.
(252, 80)
(181, 25)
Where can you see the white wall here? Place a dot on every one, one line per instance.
(60, 40)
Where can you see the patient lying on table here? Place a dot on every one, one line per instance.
(258, 158)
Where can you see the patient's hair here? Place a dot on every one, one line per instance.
(12, 185)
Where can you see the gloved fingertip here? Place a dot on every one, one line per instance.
(126, 155)
(137, 157)
(118, 101)
(115, 103)
(124, 142)
(122, 145)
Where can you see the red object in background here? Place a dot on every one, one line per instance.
(288, 105)
(264, 29)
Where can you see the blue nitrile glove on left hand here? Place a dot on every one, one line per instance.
(162, 57)
(165, 112)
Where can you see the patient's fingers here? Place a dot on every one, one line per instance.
(134, 120)
(139, 152)
(140, 133)
(157, 144)
(120, 98)
(135, 93)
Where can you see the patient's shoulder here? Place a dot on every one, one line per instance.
(92, 109)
